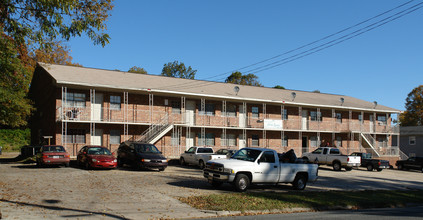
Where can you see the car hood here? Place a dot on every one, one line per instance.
(103, 157)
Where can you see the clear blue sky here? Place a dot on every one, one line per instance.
(216, 37)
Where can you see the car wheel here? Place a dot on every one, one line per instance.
(67, 164)
(161, 169)
(87, 166)
(119, 162)
(182, 161)
(300, 182)
(201, 164)
(400, 167)
(336, 166)
(370, 167)
(242, 182)
(378, 170)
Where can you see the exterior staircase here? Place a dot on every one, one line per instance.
(369, 142)
(156, 131)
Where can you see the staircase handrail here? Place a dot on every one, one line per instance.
(155, 128)
(403, 156)
(371, 142)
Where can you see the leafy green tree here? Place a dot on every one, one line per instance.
(178, 70)
(316, 91)
(413, 115)
(279, 87)
(238, 78)
(56, 53)
(136, 69)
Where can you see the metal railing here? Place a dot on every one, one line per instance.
(154, 130)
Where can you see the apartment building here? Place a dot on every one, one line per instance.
(77, 106)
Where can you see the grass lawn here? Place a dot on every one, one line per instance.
(317, 200)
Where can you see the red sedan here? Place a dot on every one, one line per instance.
(96, 157)
(52, 154)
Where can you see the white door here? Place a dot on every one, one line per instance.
(371, 123)
(189, 140)
(268, 168)
(190, 113)
(242, 141)
(97, 107)
(96, 138)
(304, 120)
(242, 116)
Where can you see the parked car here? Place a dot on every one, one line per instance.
(199, 156)
(259, 166)
(227, 152)
(370, 163)
(52, 155)
(141, 155)
(412, 163)
(96, 157)
(332, 157)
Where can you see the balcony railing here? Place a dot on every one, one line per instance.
(145, 116)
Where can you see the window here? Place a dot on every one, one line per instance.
(207, 141)
(75, 136)
(255, 112)
(360, 117)
(267, 157)
(255, 140)
(315, 116)
(231, 110)
(75, 100)
(285, 141)
(208, 111)
(382, 142)
(284, 114)
(114, 136)
(334, 151)
(231, 140)
(339, 141)
(176, 107)
(114, 102)
(338, 117)
(381, 119)
(313, 141)
(412, 140)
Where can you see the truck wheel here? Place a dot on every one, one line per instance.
(370, 167)
(378, 170)
(242, 182)
(306, 160)
(348, 168)
(201, 164)
(182, 161)
(336, 166)
(300, 182)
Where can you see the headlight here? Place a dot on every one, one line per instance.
(94, 160)
(164, 161)
(115, 161)
(227, 170)
(145, 160)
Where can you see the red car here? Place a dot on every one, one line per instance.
(96, 157)
(52, 154)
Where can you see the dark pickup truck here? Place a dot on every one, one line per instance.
(370, 163)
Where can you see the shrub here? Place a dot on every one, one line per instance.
(14, 139)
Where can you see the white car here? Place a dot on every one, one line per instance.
(199, 156)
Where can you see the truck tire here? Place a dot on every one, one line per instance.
(182, 161)
(306, 160)
(379, 169)
(348, 168)
(370, 167)
(241, 183)
(300, 182)
(201, 164)
(336, 166)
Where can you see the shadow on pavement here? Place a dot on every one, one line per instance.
(81, 213)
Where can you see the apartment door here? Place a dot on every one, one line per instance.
(96, 138)
(97, 107)
(371, 123)
(304, 144)
(189, 140)
(190, 112)
(241, 142)
(242, 116)
(304, 120)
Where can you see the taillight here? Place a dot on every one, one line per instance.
(67, 155)
(378, 163)
(348, 159)
(45, 156)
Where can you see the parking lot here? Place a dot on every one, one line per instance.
(29, 192)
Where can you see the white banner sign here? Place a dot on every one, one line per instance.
(273, 124)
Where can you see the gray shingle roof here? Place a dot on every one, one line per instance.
(107, 79)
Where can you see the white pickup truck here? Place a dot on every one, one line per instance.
(259, 166)
(332, 157)
(199, 156)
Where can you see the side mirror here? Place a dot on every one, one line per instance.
(186, 151)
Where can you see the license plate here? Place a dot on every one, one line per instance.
(56, 157)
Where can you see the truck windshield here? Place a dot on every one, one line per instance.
(246, 154)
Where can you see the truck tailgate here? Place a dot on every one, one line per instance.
(354, 160)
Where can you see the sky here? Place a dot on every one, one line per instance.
(220, 36)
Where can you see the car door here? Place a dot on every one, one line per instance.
(267, 168)
(80, 156)
(190, 155)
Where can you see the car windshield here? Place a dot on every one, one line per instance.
(246, 154)
(53, 149)
(146, 148)
(98, 151)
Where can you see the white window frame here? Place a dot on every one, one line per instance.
(115, 137)
(411, 140)
(115, 102)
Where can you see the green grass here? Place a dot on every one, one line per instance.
(316, 200)
(14, 139)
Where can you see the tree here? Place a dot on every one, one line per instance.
(238, 78)
(178, 70)
(55, 53)
(279, 87)
(136, 69)
(316, 91)
(413, 115)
